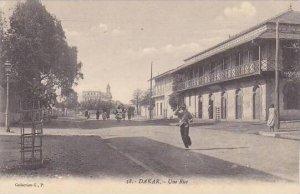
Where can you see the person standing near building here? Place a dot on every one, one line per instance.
(185, 117)
(87, 114)
(104, 115)
(97, 114)
(272, 117)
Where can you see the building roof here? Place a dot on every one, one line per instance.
(287, 17)
(162, 74)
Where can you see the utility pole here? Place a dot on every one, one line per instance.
(7, 105)
(7, 67)
(277, 121)
(150, 100)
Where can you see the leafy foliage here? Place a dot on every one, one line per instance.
(175, 99)
(69, 101)
(95, 104)
(42, 60)
(136, 98)
(291, 55)
(145, 98)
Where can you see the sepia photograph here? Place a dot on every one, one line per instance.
(149, 96)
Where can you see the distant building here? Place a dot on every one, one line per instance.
(97, 95)
(234, 80)
(161, 91)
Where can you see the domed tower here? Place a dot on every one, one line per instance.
(108, 93)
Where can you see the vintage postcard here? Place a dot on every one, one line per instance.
(153, 96)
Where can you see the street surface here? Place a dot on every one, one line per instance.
(147, 149)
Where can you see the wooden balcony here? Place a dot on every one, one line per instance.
(225, 75)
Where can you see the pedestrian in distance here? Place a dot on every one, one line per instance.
(87, 114)
(107, 111)
(272, 117)
(104, 115)
(129, 113)
(119, 114)
(185, 118)
(97, 114)
(123, 113)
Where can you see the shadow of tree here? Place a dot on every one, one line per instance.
(91, 156)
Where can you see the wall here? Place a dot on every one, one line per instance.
(285, 114)
(144, 111)
(157, 108)
(246, 87)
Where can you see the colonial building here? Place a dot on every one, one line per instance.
(161, 91)
(234, 80)
(97, 95)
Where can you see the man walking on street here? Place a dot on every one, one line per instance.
(185, 118)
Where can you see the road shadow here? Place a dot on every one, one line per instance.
(172, 161)
(122, 157)
(229, 148)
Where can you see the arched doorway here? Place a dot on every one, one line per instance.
(238, 104)
(223, 105)
(200, 106)
(256, 103)
(210, 107)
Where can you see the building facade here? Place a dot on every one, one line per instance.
(97, 95)
(161, 91)
(234, 80)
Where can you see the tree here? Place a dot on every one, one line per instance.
(291, 55)
(71, 100)
(145, 98)
(42, 59)
(95, 104)
(2, 38)
(175, 99)
(291, 58)
(136, 98)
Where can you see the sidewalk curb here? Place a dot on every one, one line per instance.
(282, 135)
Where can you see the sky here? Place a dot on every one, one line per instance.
(118, 40)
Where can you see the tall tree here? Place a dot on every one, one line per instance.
(176, 99)
(71, 100)
(136, 98)
(95, 104)
(42, 59)
(291, 55)
(145, 98)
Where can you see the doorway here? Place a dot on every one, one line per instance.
(200, 106)
(223, 105)
(256, 103)
(211, 107)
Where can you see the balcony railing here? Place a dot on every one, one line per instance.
(220, 76)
